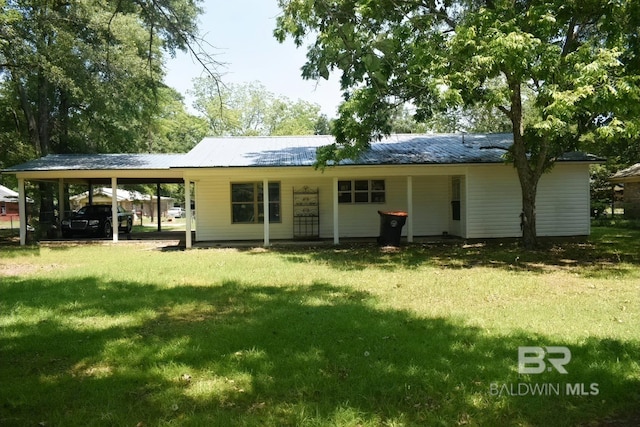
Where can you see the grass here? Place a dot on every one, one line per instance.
(147, 225)
(349, 336)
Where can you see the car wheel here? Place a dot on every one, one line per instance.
(107, 231)
(67, 234)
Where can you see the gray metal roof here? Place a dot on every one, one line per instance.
(296, 151)
(54, 162)
(393, 150)
(631, 172)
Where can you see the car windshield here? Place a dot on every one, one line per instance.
(95, 209)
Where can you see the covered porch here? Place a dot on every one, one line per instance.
(346, 202)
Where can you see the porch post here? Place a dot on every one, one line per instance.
(61, 199)
(22, 211)
(410, 209)
(158, 205)
(336, 216)
(114, 209)
(187, 211)
(265, 202)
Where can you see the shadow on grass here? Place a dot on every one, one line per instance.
(607, 252)
(94, 352)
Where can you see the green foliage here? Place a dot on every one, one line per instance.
(251, 110)
(86, 76)
(602, 191)
(173, 129)
(570, 63)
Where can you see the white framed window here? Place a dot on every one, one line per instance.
(247, 205)
(361, 191)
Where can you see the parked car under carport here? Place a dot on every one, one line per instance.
(96, 220)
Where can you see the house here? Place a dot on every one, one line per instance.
(630, 178)
(448, 184)
(9, 204)
(135, 201)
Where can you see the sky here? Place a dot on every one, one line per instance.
(241, 33)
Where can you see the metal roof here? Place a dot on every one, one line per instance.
(7, 193)
(121, 194)
(54, 162)
(631, 173)
(296, 151)
(393, 150)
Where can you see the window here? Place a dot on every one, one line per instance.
(361, 191)
(247, 203)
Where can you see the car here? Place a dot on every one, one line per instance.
(175, 212)
(96, 220)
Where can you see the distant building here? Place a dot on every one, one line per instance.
(141, 204)
(9, 204)
(630, 178)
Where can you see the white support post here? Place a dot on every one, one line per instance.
(22, 211)
(336, 214)
(187, 208)
(410, 209)
(265, 202)
(114, 209)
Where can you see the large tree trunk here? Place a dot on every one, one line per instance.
(529, 172)
(529, 188)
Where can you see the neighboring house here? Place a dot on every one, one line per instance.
(630, 178)
(130, 200)
(9, 203)
(454, 184)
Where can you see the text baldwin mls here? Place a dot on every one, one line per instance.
(533, 360)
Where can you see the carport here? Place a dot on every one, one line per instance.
(100, 169)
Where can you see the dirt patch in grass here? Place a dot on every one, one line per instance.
(24, 269)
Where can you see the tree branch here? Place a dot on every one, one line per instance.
(570, 38)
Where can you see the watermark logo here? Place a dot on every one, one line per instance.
(538, 360)
(531, 360)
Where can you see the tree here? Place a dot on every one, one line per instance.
(86, 76)
(577, 62)
(249, 109)
(323, 125)
(174, 130)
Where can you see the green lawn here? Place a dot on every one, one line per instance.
(132, 335)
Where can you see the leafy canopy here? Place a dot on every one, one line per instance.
(249, 109)
(574, 65)
(576, 60)
(86, 76)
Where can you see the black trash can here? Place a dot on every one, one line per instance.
(391, 224)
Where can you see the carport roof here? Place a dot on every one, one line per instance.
(81, 162)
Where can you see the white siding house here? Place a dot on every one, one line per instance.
(449, 184)
(456, 185)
